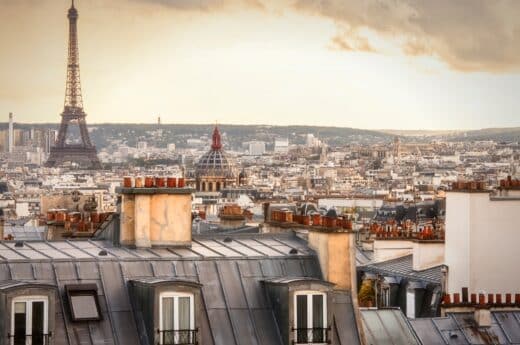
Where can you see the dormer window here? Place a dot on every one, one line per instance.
(177, 319)
(29, 321)
(310, 317)
(170, 310)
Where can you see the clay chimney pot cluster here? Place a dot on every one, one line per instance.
(481, 299)
(153, 182)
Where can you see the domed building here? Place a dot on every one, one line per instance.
(215, 170)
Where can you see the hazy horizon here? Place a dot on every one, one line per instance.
(409, 65)
(268, 125)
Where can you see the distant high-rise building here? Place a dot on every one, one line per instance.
(19, 138)
(10, 144)
(256, 148)
(142, 145)
(281, 145)
(4, 140)
(312, 141)
(50, 139)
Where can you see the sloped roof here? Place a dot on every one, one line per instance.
(387, 326)
(230, 272)
(460, 328)
(403, 267)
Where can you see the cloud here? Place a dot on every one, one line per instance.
(469, 35)
(204, 5)
(350, 40)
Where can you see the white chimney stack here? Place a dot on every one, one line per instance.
(10, 144)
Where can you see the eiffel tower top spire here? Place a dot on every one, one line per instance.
(73, 98)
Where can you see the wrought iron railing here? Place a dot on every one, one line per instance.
(311, 336)
(178, 337)
(34, 339)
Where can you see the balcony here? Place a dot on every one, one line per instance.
(178, 337)
(35, 339)
(304, 336)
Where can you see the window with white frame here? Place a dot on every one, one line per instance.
(177, 318)
(385, 296)
(310, 317)
(29, 321)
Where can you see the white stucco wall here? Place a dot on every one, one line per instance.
(482, 243)
(391, 249)
(427, 254)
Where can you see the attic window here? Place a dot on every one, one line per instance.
(83, 302)
(30, 320)
(177, 319)
(310, 318)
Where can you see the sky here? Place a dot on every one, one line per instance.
(374, 64)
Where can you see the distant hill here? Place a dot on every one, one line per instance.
(236, 135)
(420, 133)
(496, 134)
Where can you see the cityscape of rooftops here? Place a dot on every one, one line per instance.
(259, 172)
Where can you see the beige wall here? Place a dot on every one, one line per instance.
(336, 253)
(156, 219)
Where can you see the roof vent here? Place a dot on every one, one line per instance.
(18, 244)
(228, 239)
(103, 253)
(293, 251)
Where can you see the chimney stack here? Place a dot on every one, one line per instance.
(336, 254)
(154, 215)
(483, 316)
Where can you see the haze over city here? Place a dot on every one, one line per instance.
(259, 172)
(362, 64)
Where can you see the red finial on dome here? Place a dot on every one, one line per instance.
(217, 143)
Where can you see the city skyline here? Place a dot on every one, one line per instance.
(405, 66)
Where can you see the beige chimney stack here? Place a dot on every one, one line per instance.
(155, 216)
(336, 253)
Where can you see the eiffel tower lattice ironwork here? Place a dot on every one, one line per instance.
(84, 153)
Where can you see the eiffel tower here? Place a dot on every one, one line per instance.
(84, 153)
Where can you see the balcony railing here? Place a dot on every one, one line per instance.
(34, 339)
(311, 336)
(178, 337)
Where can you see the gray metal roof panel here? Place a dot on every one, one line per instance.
(387, 326)
(510, 323)
(246, 333)
(344, 316)
(265, 322)
(479, 335)
(211, 287)
(221, 327)
(231, 284)
(403, 267)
